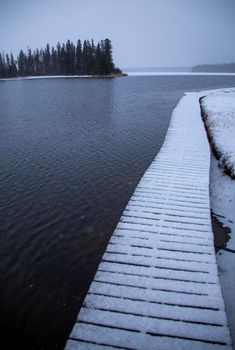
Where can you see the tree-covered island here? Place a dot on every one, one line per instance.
(85, 59)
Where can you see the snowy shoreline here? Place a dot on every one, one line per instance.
(222, 198)
(218, 113)
(66, 77)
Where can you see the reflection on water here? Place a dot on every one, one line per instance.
(72, 153)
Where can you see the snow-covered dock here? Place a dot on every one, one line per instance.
(157, 285)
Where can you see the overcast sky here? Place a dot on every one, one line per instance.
(144, 33)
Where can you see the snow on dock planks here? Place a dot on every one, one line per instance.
(157, 285)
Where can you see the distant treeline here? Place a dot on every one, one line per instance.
(65, 59)
(215, 68)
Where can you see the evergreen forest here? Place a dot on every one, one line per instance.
(65, 59)
(215, 68)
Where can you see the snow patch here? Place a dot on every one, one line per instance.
(222, 194)
(219, 114)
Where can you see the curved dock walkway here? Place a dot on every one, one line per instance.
(157, 285)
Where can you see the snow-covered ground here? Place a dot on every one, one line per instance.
(222, 196)
(219, 111)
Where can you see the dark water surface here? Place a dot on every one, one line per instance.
(72, 152)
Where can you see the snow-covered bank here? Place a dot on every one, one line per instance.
(219, 117)
(218, 109)
(222, 196)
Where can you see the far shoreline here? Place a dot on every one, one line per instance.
(166, 73)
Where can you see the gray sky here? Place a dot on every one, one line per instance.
(144, 33)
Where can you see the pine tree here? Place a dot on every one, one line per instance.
(13, 67)
(92, 58)
(8, 65)
(2, 66)
(63, 60)
(41, 56)
(85, 56)
(103, 68)
(98, 60)
(58, 69)
(73, 59)
(47, 59)
(78, 60)
(30, 63)
(53, 61)
(37, 63)
(108, 56)
(70, 57)
(26, 64)
(21, 64)
(67, 57)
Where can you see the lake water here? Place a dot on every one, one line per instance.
(72, 153)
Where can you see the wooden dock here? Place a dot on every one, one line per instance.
(157, 285)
